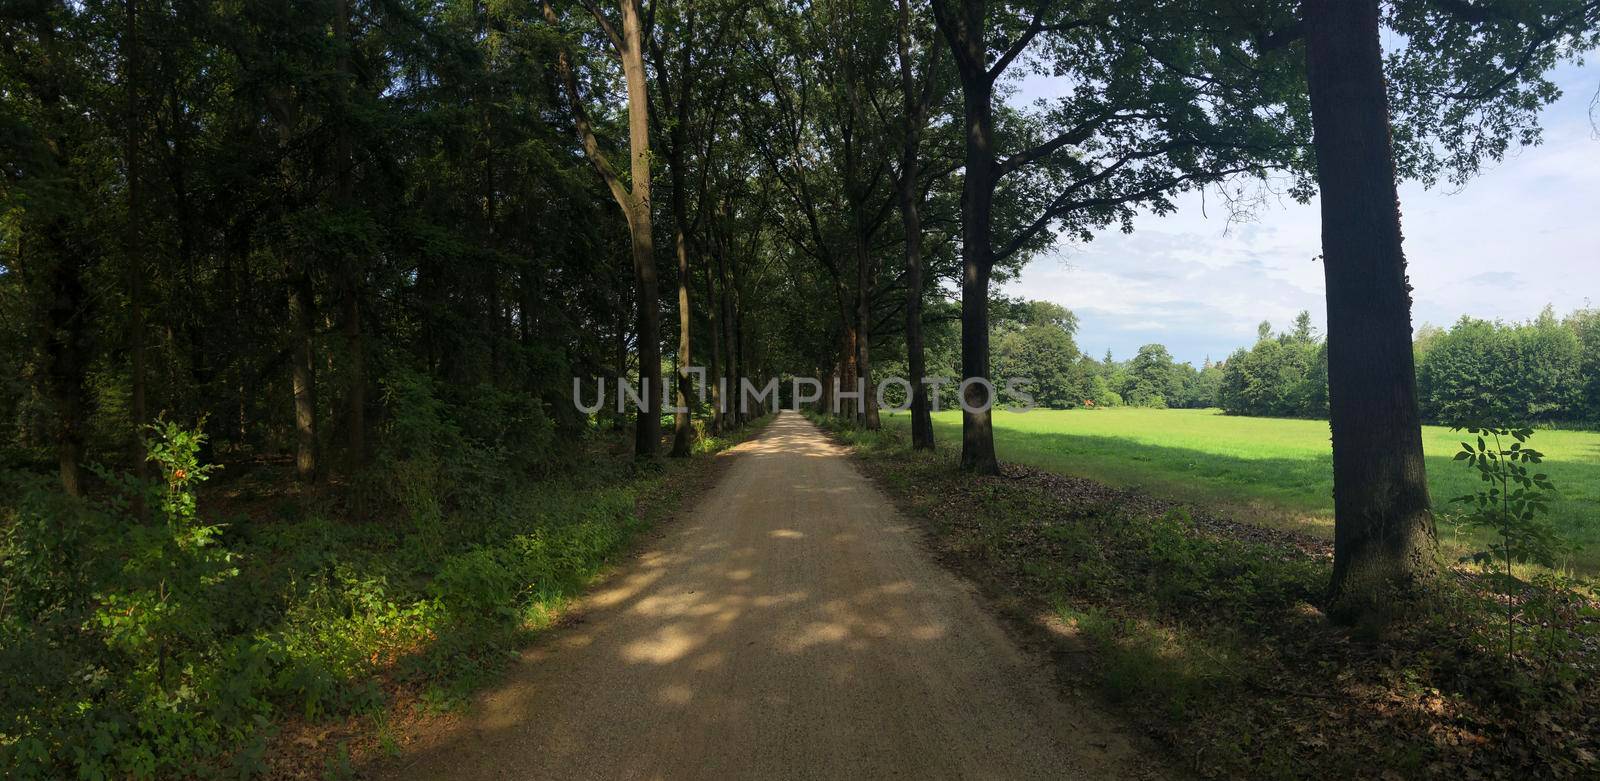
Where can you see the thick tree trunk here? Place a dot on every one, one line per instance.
(911, 218)
(977, 428)
(1383, 533)
(964, 31)
(977, 431)
(302, 376)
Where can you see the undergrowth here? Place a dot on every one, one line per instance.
(166, 642)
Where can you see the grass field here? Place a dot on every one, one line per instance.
(1271, 471)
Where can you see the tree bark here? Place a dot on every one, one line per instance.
(977, 432)
(911, 218)
(647, 434)
(966, 38)
(1383, 534)
(302, 376)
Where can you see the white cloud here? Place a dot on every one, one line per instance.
(1523, 234)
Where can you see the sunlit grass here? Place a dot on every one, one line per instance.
(1272, 471)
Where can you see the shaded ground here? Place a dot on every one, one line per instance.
(792, 625)
(1205, 631)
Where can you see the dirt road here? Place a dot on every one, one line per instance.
(791, 626)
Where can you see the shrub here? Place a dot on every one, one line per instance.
(112, 621)
(163, 646)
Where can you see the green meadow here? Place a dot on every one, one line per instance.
(1271, 471)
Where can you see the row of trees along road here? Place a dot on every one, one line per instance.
(267, 215)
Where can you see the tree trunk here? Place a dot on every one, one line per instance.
(911, 217)
(682, 424)
(635, 206)
(66, 355)
(714, 374)
(736, 315)
(132, 250)
(1383, 531)
(848, 355)
(356, 399)
(62, 331)
(619, 418)
(647, 432)
(682, 429)
(965, 34)
(868, 416)
(302, 375)
(977, 431)
(730, 366)
(355, 340)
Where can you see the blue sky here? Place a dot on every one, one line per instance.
(1523, 234)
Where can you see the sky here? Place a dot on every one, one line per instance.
(1523, 234)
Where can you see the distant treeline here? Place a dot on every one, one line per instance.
(1545, 371)
(1035, 340)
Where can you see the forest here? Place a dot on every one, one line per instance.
(298, 295)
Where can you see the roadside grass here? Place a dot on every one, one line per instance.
(1270, 471)
(339, 628)
(1209, 635)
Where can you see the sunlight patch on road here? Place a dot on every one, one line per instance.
(668, 645)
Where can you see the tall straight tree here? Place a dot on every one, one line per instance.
(1165, 98)
(1472, 82)
(675, 103)
(915, 99)
(132, 248)
(1384, 537)
(632, 198)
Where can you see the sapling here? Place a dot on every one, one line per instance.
(1512, 504)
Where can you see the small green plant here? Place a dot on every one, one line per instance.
(1512, 504)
